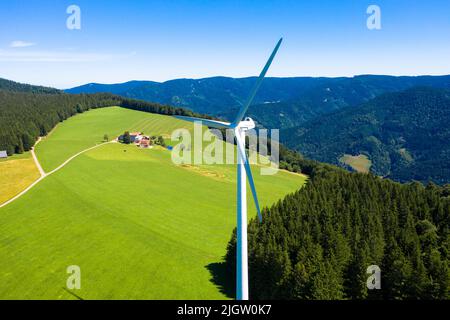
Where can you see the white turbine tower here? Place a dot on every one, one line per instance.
(240, 126)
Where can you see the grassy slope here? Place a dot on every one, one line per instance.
(87, 129)
(136, 224)
(16, 173)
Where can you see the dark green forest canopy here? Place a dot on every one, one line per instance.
(405, 134)
(318, 242)
(21, 87)
(26, 116)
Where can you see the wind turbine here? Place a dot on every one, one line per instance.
(240, 126)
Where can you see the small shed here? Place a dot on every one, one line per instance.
(3, 154)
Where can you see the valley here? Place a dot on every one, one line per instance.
(364, 111)
(225, 156)
(281, 102)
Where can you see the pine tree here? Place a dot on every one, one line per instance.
(19, 147)
(28, 142)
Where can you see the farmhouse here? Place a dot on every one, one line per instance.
(139, 139)
(142, 141)
(3, 155)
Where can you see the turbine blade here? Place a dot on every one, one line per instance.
(256, 86)
(248, 171)
(206, 122)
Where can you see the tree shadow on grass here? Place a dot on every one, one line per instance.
(222, 279)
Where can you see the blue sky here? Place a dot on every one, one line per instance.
(161, 40)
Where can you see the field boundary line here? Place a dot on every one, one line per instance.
(76, 155)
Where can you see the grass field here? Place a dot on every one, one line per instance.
(360, 163)
(138, 226)
(16, 173)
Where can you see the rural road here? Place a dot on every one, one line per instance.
(43, 173)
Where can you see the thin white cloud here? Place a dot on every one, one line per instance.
(21, 44)
(57, 56)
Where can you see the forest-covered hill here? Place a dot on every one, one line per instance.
(405, 135)
(13, 86)
(280, 103)
(319, 242)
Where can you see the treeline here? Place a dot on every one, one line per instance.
(24, 116)
(151, 107)
(318, 242)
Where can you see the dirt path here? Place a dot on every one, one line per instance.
(43, 173)
(36, 161)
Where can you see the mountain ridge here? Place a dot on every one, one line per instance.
(299, 98)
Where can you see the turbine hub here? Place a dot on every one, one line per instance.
(246, 124)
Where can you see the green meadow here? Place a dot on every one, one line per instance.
(88, 129)
(138, 226)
